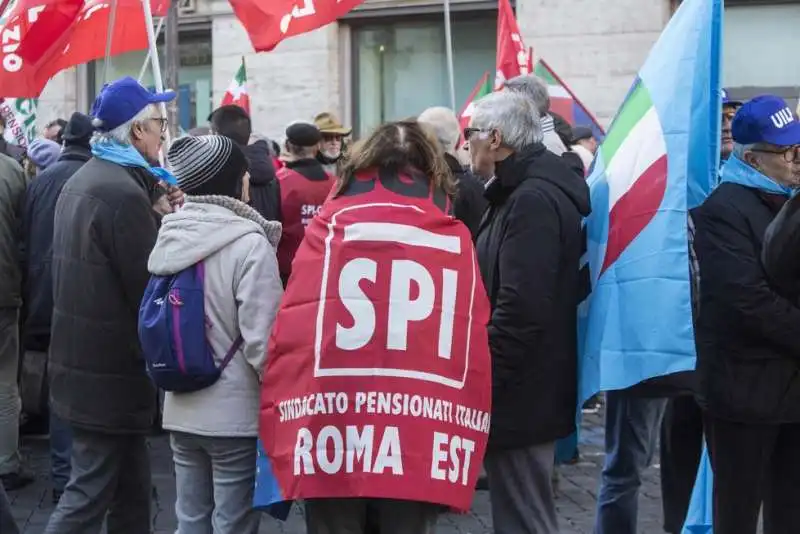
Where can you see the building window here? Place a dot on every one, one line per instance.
(194, 76)
(400, 68)
(758, 45)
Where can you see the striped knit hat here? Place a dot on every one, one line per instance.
(207, 165)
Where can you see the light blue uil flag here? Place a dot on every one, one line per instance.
(700, 518)
(659, 159)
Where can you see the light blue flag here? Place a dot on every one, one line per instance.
(700, 518)
(659, 159)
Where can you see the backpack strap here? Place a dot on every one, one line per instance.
(232, 352)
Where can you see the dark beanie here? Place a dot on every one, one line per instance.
(208, 165)
(78, 130)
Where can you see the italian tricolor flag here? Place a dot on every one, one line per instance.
(483, 88)
(237, 92)
(634, 154)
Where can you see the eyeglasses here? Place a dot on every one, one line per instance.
(162, 122)
(790, 154)
(469, 132)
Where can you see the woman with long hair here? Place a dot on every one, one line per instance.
(398, 146)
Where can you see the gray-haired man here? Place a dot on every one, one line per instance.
(528, 246)
(105, 227)
(534, 89)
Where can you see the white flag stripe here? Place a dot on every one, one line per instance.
(556, 91)
(642, 147)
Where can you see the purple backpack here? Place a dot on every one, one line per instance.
(172, 332)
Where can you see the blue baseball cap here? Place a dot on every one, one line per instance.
(120, 101)
(766, 119)
(727, 101)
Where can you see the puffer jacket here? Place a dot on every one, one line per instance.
(105, 228)
(242, 292)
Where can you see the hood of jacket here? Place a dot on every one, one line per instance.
(538, 163)
(203, 226)
(262, 171)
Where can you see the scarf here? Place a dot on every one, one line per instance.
(127, 156)
(736, 171)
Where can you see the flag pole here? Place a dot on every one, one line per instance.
(157, 79)
(149, 55)
(109, 38)
(448, 36)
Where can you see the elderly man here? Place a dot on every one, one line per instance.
(528, 246)
(105, 227)
(12, 191)
(469, 204)
(748, 327)
(681, 441)
(535, 90)
(333, 135)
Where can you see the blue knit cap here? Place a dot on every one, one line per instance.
(43, 153)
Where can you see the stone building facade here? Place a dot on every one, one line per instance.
(385, 60)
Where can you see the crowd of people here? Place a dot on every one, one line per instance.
(89, 217)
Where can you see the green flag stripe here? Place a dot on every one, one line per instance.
(241, 75)
(633, 109)
(543, 72)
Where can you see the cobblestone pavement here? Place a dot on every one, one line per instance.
(577, 490)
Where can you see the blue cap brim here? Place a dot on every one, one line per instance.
(789, 135)
(166, 96)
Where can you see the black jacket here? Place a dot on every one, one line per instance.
(264, 195)
(469, 203)
(529, 246)
(37, 233)
(105, 228)
(748, 336)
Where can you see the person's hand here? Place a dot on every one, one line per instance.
(175, 196)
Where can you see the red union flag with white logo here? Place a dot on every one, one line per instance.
(268, 22)
(378, 378)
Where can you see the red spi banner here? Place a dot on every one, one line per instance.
(378, 377)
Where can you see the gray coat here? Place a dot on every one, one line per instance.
(105, 228)
(12, 193)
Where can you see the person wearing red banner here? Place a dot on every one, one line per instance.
(529, 246)
(377, 389)
(303, 186)
(105, 228)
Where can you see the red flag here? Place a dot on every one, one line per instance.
(26, 65)
(512, 56)
(268, 22)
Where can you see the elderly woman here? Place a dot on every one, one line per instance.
(528, 246)
(469, 204)
(105, 228)
(748, 325)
